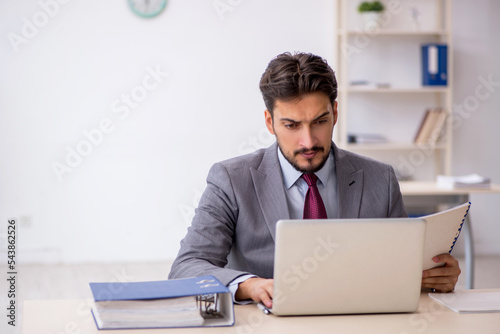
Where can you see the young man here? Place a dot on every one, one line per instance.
(232, 233)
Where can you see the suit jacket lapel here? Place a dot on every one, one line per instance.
(349, 185)
(270, 189)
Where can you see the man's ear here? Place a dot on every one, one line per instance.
(335, 113)
(269, 121)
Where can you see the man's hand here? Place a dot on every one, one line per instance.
(257, 289)
(444, 278)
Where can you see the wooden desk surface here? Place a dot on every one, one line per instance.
(73, 316)
(414, 188)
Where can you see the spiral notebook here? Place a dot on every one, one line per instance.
(442, 231)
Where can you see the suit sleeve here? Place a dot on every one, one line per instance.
(209, 239)
(396, 205)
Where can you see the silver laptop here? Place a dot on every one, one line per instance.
(345, 266)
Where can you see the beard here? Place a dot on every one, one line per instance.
(310, 168)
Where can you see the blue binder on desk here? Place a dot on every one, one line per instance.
(434, 65)
(192, 302)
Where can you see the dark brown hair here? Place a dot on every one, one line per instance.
(288, 77)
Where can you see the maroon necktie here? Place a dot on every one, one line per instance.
(313, 206)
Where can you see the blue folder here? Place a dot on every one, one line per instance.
(202, 287)
(434, 65)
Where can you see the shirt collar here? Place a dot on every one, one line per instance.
(291, 175)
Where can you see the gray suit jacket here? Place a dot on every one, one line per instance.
(232, 233)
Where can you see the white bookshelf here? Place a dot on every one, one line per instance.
(394, 102)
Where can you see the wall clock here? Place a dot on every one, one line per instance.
(147, 8)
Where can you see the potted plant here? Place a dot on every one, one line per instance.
(370, 12)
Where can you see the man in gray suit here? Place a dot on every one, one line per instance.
(232, 233)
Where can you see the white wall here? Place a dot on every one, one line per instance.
(476, 45)
(131, 197)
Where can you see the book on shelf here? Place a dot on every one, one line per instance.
(431, 127)
(365, 84)
(366, 138)
(191, 302)
(466, 181)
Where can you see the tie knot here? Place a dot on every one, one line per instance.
(310, 178)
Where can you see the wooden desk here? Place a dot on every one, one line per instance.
(73, 316)
(414, 188)
(421, 193)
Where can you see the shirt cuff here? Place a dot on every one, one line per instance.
(233, 287)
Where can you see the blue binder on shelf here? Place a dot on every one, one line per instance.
(192, 302)
(434, 65)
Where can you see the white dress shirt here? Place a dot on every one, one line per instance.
(296, 187)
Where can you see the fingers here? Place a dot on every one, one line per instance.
(257, 289)
(443, 278)
(262, 291)
(446, 258)
(266, 296)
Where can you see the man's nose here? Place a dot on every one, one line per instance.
(307, 138)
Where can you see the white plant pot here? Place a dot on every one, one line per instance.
(371, 21)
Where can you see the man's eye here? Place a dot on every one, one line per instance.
(290, 125)
(321, 121)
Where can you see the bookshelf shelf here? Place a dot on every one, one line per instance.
(394, 33)
(393, 101)
(353, 89)
(393, 147)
